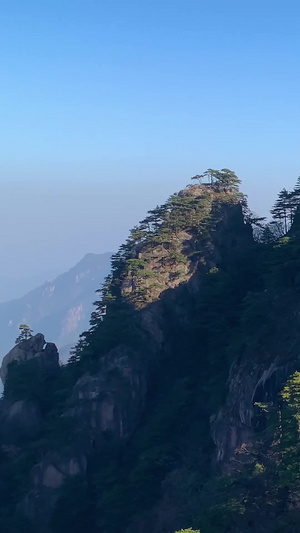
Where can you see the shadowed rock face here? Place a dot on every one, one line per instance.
(35, 348)
(45, 479)
(22, 417)
(258, 376)
(111, 400)
(235, 423)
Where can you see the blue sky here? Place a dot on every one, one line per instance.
(107, 107)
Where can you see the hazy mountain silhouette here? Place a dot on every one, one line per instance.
(60, 309)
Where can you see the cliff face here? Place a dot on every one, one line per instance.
(258, 376)
(269, 349)
(35, 348)
(155, 377)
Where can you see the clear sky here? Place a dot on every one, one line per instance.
(107, 107)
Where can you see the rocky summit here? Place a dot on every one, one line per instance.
(34, 348)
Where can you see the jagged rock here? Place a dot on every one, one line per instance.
(35, 348)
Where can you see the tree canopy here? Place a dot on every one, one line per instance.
(25, 333)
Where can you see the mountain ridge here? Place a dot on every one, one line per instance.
(60, 308)
(177, 408)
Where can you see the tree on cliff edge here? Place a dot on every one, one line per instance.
(25, 333)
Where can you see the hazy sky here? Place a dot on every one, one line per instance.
(107, 107)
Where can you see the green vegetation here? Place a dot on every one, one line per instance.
(263, 486)
(191, 296)
(188, 531)
(25, 333)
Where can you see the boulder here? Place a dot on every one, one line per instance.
(35, 348)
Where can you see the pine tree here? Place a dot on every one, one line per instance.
(25, 333)
(227, 180)
(291, 395)
(294, 197)
(198, 177)
(210, 174)
(296, 190)
(281, 209)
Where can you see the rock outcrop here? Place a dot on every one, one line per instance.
(21, 414)
(35, 348)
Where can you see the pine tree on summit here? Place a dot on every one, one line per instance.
(227, 180)
(25, 333)
(198, 177)
(221, 180)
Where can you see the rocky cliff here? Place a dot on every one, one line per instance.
(34, 348)
(161, 391)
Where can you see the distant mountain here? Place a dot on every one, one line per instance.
(60, 309)
(13, 287)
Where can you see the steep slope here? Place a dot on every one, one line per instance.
(60, 308)
(256, 431)
(140, 376)
(168, 415)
